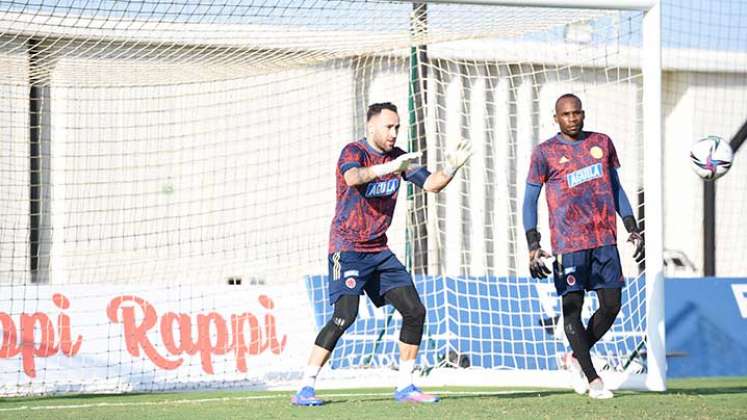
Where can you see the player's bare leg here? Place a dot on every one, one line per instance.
(346, 310)
(407, 355)
(319, 356)
(306, 395)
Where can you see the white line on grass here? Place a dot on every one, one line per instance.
(225, 399)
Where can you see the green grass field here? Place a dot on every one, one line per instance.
(718, 398)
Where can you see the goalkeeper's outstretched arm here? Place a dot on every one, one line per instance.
(455, 159)
(361, 175)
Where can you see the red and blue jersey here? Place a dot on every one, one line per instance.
(364, 212)
(579, 191)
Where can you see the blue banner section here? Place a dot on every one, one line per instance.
(491, 322)
(706, 322)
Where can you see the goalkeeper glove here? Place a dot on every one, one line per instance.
(457, 157)
(400, 164)
(635, 237)
(537, 267)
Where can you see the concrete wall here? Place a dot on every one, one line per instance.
(14, 162)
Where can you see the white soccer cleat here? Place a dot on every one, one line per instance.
(598, 391)
(578, 379)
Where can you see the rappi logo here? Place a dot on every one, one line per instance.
(242, 334)
(19, 339)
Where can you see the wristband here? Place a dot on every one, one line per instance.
(533, 239)
(630, 224)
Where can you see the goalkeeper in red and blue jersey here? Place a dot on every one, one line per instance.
(583, 191)
(369, 174)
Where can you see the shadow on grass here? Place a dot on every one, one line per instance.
(327, 402)
(689, 391)
(708, 390)
(444, 397)
(88, 398)
(473, 396)
(507, 395)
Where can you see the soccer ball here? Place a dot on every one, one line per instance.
(711, 157)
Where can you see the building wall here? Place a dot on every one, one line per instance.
(14, 162)
(197, 182)
(697, 104)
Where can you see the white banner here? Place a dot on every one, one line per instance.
(118, 338)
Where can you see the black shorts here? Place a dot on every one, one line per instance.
(589, 269)
(352, 273)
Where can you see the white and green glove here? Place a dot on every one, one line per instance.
(397, 165)
(456, 158)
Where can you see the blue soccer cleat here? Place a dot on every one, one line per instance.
(413, 394)
(306, 397)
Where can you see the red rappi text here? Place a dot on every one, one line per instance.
(19, 339)
(242, 335)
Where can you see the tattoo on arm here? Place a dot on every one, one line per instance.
(358, 176)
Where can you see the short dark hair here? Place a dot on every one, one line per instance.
(375, 109)
(568, 96)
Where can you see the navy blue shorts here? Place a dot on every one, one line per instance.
(352, 273)
(589, 269)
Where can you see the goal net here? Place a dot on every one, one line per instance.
(167, 180)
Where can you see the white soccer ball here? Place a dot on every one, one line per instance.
(711, 157)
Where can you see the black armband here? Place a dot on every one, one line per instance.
(630, 224)
(533, 239)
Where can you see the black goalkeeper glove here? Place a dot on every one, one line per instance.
(537, 267)
(635, 237)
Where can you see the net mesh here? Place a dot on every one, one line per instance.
(178, 159)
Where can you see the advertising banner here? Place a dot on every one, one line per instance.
(115, 339)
